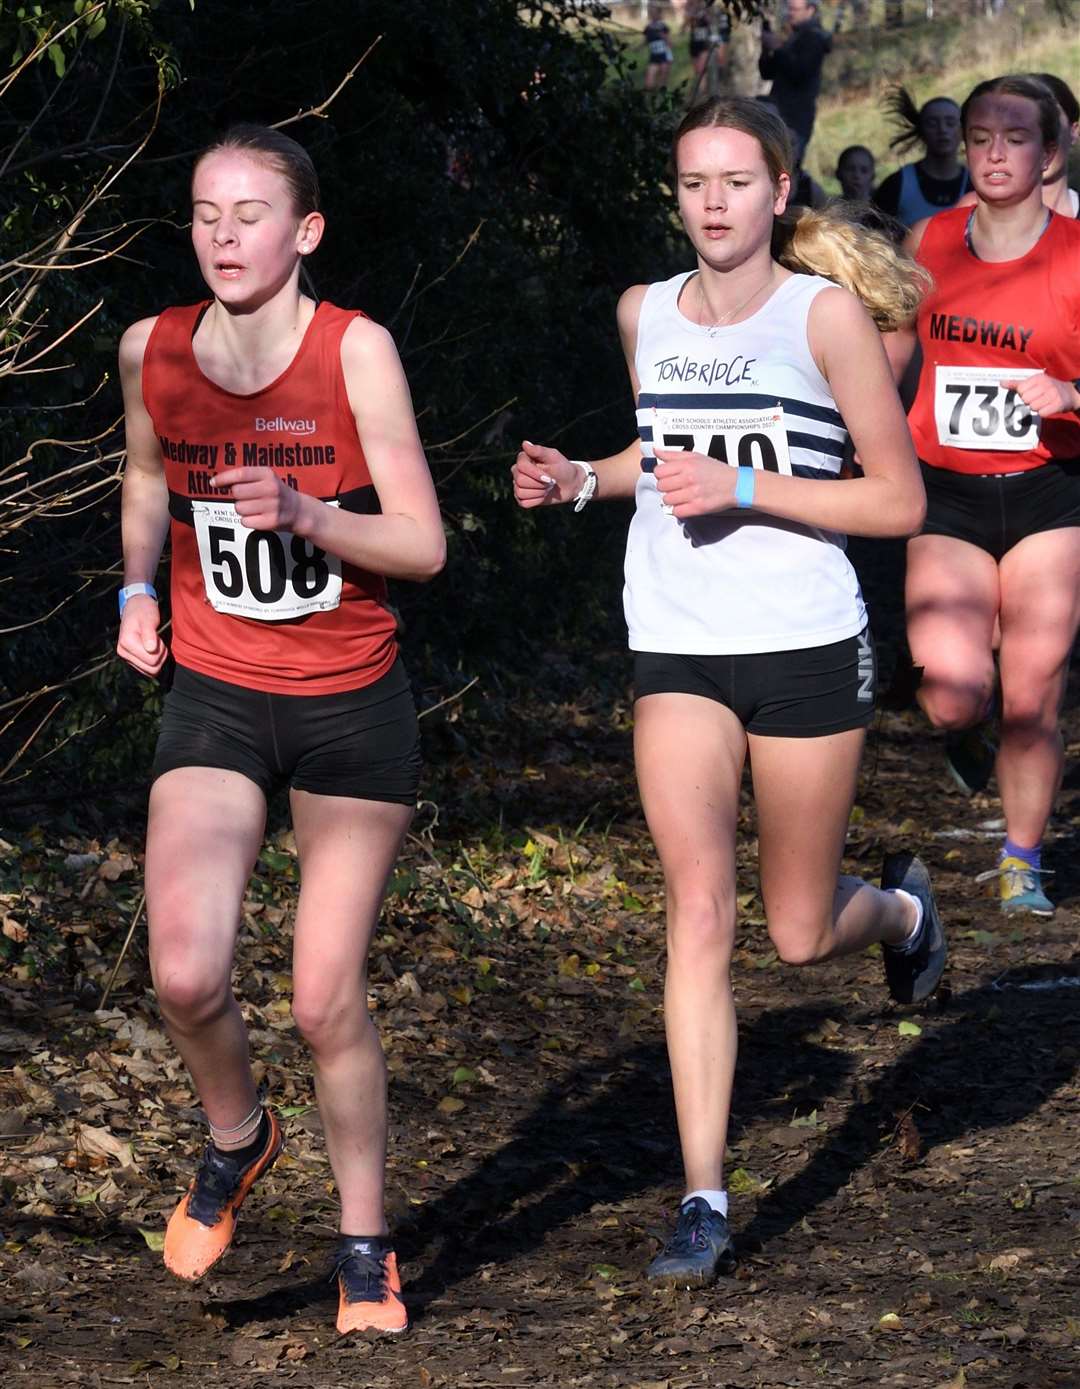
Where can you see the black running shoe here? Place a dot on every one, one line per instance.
(699, 1250)
(970, 756)
(914, 975)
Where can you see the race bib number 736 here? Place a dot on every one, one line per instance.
(268, 575)
(973, 410)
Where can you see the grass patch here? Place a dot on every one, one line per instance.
(943, 57)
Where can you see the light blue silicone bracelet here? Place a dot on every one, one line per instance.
(744, 487)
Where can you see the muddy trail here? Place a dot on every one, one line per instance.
(904, 1181)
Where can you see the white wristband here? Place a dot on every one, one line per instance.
(588, 487)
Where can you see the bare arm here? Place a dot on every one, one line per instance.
(406, 540)
(144, 511)
(888, 500)
(545, 477)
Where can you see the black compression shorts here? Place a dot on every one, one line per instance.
(781, 694)
(995, 510)
(360, 743)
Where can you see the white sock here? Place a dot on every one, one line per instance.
(912, 939)
(716, 1199)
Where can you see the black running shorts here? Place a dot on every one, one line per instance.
(995, 510)
(779, 694)
(361, 743)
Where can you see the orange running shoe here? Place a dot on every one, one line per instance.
(201, 1228)
(369, 1289)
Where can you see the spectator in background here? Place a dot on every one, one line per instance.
(658, 42)
(794, 66)
(936, 181)
(710, 34)
(855, 173)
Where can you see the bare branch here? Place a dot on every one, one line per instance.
(322, 107)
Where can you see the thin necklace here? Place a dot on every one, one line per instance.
(713, 326)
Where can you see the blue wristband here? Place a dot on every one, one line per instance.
(744, 487)
(131, 590)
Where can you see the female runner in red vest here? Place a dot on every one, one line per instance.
(273, 440)
(995, 424)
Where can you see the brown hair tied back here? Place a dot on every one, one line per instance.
(283, 155)
(886, 280)
(750, 116)
(900, 105)
(1018, 84)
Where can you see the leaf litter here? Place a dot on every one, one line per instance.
(903, 1181)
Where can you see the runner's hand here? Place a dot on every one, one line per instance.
(140, 643)
(544, 477)
(692, 485)
(1044, 394)
(263, 502)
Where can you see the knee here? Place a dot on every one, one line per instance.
(952, 707)
(189, 995)
(801, 940)
(1028, 712)
(327, 1020)
(700, 925)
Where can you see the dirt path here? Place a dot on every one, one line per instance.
(906, 1204)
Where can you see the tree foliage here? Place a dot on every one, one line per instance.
(492, 182)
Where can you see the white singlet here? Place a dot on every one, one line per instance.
(736, 581)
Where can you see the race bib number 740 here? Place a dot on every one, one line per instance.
(268, 575)
(973, 410)
(740, 438)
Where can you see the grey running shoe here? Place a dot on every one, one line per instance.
(969, 757)
(914, 975)
(699, 1250)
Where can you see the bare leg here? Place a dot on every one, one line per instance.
(804, 789)
(347, 848)
(952, 596)
(205, 830)
(691, 803)
(1040, 612)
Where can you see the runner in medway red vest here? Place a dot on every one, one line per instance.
(274, 441)
(995, 424)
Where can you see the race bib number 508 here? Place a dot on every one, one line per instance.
(973, 410)
(268, 575)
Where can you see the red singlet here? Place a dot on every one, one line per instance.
(981, 322)
(265, 609)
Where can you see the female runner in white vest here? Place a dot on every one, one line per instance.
(745, 615)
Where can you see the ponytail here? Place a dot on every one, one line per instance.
(886, 280)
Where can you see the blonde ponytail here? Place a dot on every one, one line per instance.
(889, 283)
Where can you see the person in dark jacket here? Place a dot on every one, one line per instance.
(794, 65)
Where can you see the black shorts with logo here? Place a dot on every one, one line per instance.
(361, 743)
(996, 510)
(780, 694)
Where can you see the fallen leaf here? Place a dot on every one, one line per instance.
(907, 1134)
(103, 1143)
(450, 1105)
(15, 930)
(155, 1239)
(959, 1381)
(909, 1029)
